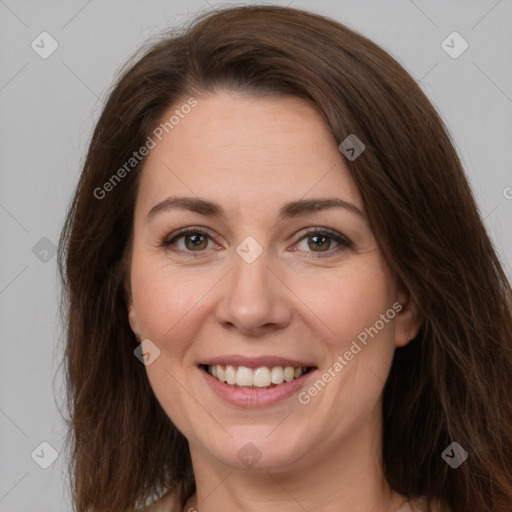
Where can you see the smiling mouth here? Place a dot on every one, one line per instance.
(264, 377)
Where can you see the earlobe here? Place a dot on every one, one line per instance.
(408, 321)
(132, 314)
(132, 320)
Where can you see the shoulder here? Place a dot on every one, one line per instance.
(167, 503)
(420, 505)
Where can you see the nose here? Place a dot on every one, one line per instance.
(254, 300)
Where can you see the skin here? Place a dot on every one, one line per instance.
(252, 155)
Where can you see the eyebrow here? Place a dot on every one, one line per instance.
(289, 210)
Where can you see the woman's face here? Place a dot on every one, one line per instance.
(263, 275)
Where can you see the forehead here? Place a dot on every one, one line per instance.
(239, 148)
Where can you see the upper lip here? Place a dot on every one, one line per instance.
(255, 362)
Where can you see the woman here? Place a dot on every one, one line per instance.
(214, 358)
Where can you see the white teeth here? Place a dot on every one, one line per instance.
(244, 376)
(262, 377)
(288, 374)
(277, 375)
(230, 374)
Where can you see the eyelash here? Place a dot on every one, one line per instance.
(344, 243)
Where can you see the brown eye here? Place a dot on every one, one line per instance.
(320, 242)
(195, 240)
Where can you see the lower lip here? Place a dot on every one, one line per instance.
(255, 397)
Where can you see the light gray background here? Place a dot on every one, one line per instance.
(48, 108)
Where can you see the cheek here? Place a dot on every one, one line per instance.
(347, 301)
(164, 298)
(153, 305)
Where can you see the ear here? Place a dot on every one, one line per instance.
(408, 320)
(132, 314)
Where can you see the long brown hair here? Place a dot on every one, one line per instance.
(451, 383)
